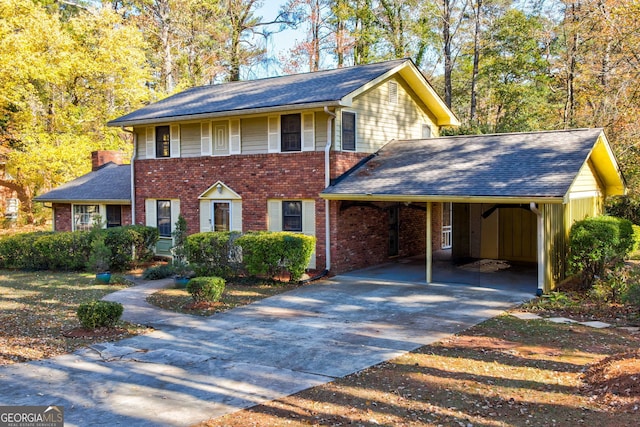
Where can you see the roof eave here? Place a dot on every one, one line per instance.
(443, 198)
(84, 201)
(230, 113)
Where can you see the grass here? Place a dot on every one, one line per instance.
(236, 294)
(503, 372)
(37, 307)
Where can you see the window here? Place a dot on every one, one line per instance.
(83, 216)
(114, 216)
(426, 131)
(292, 216)
(221, 216)
(349, 131)
(290, 132)
(164, 218)
(163, 141)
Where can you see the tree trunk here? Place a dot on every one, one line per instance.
(476, 60)
(446, 38)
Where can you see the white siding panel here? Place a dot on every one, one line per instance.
(235, 139)
(273, 138)
(274, 209)
(205, 139)
(190, 140)
(175, 213)
(254, 133)
(150, 212)
(236, 215)
(309, 225)
(174, 141)
(308, 132)
(150, 139)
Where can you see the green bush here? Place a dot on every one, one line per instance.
(158, 272)
(598, 244)
(271, 253)
(71, 250)
(206, 288)
(214, 253)
(97, 314)
(627, 207)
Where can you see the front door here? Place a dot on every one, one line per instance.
(447, 220)
(221, 216)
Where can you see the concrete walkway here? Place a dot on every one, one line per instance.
(191, 368)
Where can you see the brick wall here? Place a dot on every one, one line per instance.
(62, 218)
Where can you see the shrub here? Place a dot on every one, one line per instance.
(130, 244)
(214, 253)
(597, 244)
(270, 253)
(100, 256)
(158, 272)
(97, 314)
(206, 288)
(627, 207)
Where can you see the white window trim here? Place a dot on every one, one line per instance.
(102, 211)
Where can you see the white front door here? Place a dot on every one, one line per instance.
(447, 221)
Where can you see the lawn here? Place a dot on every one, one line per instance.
(503, 372)
(36, 308)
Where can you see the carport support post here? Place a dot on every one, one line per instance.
(428, 243)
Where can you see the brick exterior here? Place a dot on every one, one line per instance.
(102, 157)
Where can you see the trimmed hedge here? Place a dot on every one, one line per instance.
(208, 289)
(597, 244)
(214, 253)
(271, 253)
(69, 251)
(98, 314)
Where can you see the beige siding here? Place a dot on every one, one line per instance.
(190, 140)
(321, 130)
(579, 209)
(586, 181)
(253, 132)
(141, 149)
(378, 121)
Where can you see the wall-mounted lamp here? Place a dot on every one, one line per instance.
(219, 188)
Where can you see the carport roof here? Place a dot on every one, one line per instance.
(516, 167)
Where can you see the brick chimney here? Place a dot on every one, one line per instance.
(102, 157)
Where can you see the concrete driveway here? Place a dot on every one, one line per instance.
(191, 369)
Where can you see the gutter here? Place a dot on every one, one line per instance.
(540, 247)
(133, 173)
(327, 182)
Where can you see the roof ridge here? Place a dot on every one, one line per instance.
(530, 132)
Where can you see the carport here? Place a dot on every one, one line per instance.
(513, 198)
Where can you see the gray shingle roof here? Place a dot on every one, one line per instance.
(109, 183)
(536, 164)
(299, 89)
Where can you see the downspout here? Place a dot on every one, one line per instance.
(540, 241)
(133, 187)
(327, 182)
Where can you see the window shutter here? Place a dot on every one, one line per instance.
(234, 137)
(273, 137)
(308, 134)
(174, 141)
(175, 213)
(393, 93)
(151, 143)
(236, 215)
(274, 208)
(205, 138)
(205, 216)
(309, 225)
(150, 213)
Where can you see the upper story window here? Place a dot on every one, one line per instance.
(163, 218)
(163, 141)
(291, 132)
(348, 131)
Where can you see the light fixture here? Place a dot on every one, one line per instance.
(219, 187)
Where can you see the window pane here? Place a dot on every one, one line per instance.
(292, 216)
(83, 216)
(221, 216)
(114, 216)
(290, 132)
(162, 141)
(164, 218)
(348, 131)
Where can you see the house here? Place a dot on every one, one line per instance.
(354, 157)
(103, 192)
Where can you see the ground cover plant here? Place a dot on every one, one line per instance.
(37, 309)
